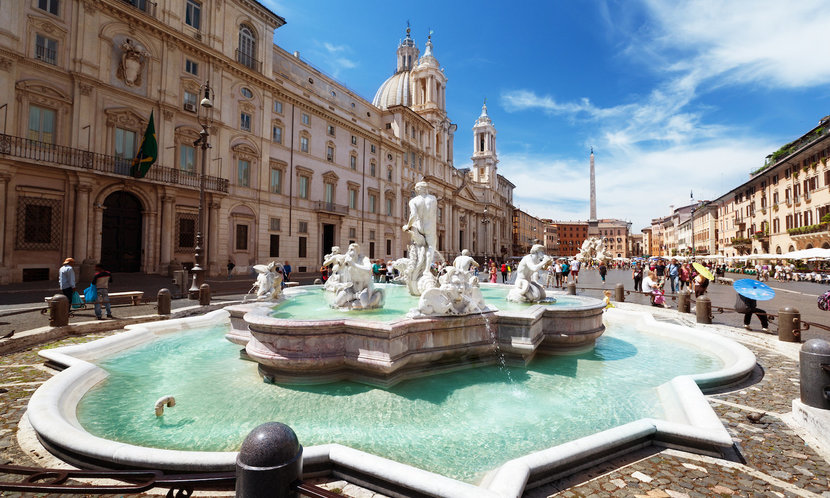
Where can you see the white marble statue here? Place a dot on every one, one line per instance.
(423, 250)
(353, 288)
(268, 283)
(335, 260)
(456, 295)
(527, 288)
(466, 263)
(593, 250)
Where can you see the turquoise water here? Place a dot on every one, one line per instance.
(459, 424)
(313, 304)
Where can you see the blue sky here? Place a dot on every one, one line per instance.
(674, 97)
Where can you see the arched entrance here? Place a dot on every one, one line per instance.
(121, 233)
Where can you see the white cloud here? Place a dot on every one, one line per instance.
(332, 58)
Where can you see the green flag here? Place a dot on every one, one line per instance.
(147, 152)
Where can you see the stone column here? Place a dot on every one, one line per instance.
(97, 229)
(5, 211)
(80, 248)
(151, 254)
(213, 266)
(166, 231)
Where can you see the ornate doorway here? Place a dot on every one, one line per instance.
(121, 233)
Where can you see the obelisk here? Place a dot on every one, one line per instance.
(593, 224)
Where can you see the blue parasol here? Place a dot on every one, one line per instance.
(753, 289)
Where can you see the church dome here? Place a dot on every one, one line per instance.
(393, 91)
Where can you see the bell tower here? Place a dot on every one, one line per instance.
(407, 53)
(429, 84)
(484, 157)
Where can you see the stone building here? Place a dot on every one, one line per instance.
(615, 234)
(527, 231)
(296, 162)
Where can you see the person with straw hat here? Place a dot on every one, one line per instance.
(66, 278)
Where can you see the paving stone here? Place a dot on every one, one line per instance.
(640, 476)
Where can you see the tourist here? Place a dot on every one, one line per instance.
(324, 273)
(231, 266)
(575, 271)
(660, 269)
(673, 273)
(504, 273)
(550, 280)
(602, 271)
(66, 278)
(749, 306)
(637, 275)
(566, 270)
(390, 271)
(558, 267)
(685, 275)
(701, 284)
(653, 286)
(286, 272)
(376, 271)
(607, 299)
(493, 272)
(101, 280)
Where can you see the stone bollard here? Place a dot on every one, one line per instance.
(789, 325)
(270, 459)
(204, 295)
(59, 311)
(683, 301)
(814, 362)
(164, 298)
(703, 309)
(619, 293)
(571, 288)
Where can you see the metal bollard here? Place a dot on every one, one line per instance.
(164, 298)
(270, 459)
(204, 295)
(619, 293)
(571, 288)
(814, 361)
(789, 325)
(684, 301)
(59, 311)
(703, 310)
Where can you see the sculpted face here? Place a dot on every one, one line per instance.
(421, 188)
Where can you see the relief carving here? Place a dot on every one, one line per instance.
(133, 60)
(5, 63)
(86, 89)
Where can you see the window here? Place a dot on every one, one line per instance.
(352, 199)
(276, 181)
(301, 250)
(186, 230)
(191, 67)
(124, 143)
(388, 247)
(276, 134)
(41, 124)
(274, 247)
(353, 162)
(187, 158)
(354, 140)
(246, 92)
(304, 144)
(329, 153)
(330, 130)
(243, 173)
(247, 48)
(274, 224)
(50, 6)
(352, 233)
(372, 168)
(278, 106)
(306, 119)
(372, 148)
(39, 224)
(189, 101)
(389, 207)
(241, 237)
(46, 49)
(303, 187)
(371, 235)
(303, 227)
(329, 193)
(193, 14)
(372, 200)
(389, 174)
(245, 121)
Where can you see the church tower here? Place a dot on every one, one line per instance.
(429, 85)
(407, 53)
(484, 157)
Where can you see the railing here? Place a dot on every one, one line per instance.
(330, 207)
(77, 158)
(145, 6)
(248, 61)
(46, 54)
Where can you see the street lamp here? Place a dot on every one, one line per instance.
(205, 118)
(485, 221)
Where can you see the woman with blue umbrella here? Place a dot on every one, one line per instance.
(749, 292)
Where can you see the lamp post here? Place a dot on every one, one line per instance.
(693, 234)
(485, 221)
(205, 117)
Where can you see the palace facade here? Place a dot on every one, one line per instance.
(297, 162)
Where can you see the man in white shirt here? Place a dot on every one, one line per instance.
(66, 278)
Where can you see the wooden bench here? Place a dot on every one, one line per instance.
(134, 297)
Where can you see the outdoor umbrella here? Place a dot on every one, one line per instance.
(753, 289)
(815, 252)
(703, 270)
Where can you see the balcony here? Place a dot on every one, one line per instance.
(816, 234)
(145, 6)
(331, 208)
(248, 61)
(45, 153)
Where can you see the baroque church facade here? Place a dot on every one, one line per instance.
(297, 162)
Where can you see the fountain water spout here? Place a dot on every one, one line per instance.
(164, 400)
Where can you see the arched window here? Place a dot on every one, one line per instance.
(247, 48)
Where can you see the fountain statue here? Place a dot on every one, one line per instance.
(527, 288)
(593, 250)
(268, 283)
(350, 285)
(457, 293)
(423, 252)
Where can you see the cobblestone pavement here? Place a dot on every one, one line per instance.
(777, 461)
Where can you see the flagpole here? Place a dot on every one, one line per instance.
(205, 118)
